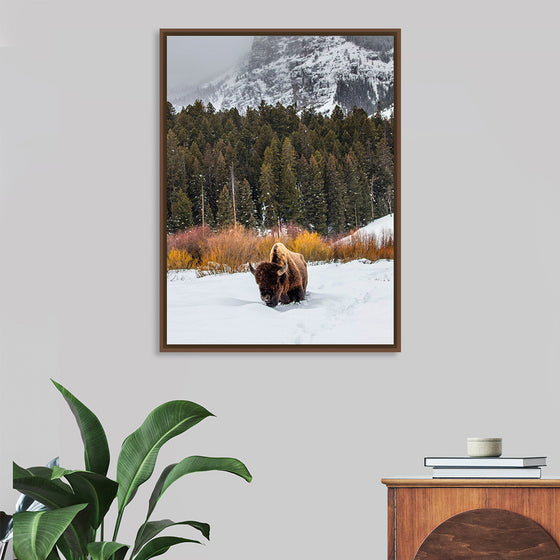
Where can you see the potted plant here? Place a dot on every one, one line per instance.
(77, 501)
(5, 532)
(24, 503)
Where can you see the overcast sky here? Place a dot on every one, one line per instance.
(195, 59)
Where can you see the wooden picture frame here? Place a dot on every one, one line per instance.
(190, 326)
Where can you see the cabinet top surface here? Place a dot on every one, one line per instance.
(470, 482)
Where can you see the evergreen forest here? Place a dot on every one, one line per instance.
(276, 165)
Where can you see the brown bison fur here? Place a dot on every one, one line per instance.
(283, 279)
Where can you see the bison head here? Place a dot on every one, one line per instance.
(271, 278)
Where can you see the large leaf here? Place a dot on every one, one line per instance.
(53, 554)
(51, 493)
(36, 533)
(194, 464)
(149, 530)
(55, 494)
(160, 545)
(95, 489)
(5, 525)
(105, 550)
(25, 503)
(96, 448)
(140, 449)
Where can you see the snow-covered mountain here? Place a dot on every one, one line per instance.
(316, 72)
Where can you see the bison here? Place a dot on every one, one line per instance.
(283, 279)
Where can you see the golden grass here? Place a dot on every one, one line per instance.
(179, 259)
(231, 250)
(312, 247)
(368, 248)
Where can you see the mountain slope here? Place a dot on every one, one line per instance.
(380, 228)
(315, 72)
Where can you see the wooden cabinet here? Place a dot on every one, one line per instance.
(453, 519)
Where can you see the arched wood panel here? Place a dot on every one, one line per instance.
(488, 534)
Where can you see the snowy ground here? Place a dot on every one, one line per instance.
(349, 303)
(378, 229)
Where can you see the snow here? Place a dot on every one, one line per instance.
(379, 229)
(346, 303)
(294, 76)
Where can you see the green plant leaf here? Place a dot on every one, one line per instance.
(173, 472)
(96, 448)
(36, 533)
(19, 471)
(5, 525)
(140, 449)
(95, 489)
(53, 554)
(55, 494)
(45, 473)
(148, 531)
(160, 546)
(105, 550)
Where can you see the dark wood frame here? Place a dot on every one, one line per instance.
(396, 346)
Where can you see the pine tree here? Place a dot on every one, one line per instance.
(337, 116)
(385, 173)
(197, 190)
(245, 205)
(175, 162)
(335, 190)
(288, 195)
(224, 212)
(263, 139)
(271, 147)
(176, 174)
(355, 212)
(171, 114)
(209, 219)
(195, 151)
(221, 173)
(269, 191)
(315, 205)
(181, 212)
(302, 186)
(272, 156)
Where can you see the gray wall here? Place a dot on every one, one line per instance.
(480, 197)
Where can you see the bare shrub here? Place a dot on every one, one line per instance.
(287, 231)
(266, 245)
(312, 247)
(232, 249)
(192, 240)
(229, 251)
(372, 248)
(178, 259)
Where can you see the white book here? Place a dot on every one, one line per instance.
(468, 462)
(522, 472)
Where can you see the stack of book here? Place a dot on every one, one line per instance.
(485, 467)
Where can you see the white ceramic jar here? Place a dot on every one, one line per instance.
(484, 447)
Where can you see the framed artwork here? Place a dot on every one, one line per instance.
(280, 190)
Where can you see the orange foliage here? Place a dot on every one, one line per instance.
(231, 250)
(178, 259)
(364, 248)
(312, 247)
